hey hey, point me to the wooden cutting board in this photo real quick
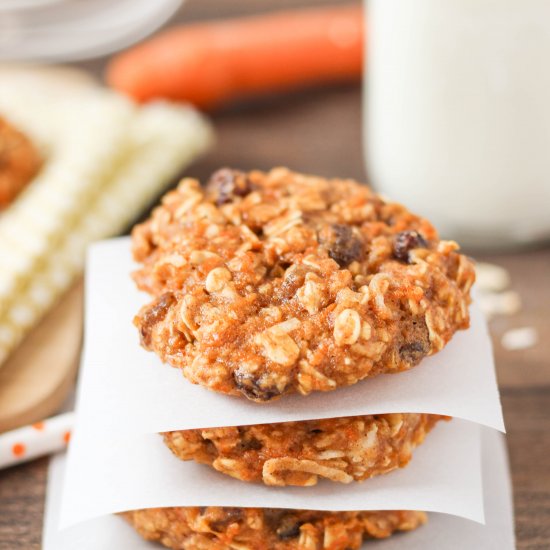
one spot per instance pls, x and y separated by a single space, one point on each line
38 376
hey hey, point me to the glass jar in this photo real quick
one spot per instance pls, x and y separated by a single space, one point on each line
458 114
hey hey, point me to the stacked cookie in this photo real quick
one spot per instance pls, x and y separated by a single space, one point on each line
266 284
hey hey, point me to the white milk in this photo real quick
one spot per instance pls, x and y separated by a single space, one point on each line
458 114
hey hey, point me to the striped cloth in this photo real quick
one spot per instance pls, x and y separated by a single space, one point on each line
106 160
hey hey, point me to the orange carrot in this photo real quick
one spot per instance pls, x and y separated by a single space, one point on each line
211 63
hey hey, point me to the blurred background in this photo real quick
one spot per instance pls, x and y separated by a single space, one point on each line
440 105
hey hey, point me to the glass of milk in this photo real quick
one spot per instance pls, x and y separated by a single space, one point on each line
457 115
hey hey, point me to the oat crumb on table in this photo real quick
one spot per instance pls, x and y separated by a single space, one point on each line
265 284
519 338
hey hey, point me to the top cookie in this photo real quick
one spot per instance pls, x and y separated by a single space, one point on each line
272 283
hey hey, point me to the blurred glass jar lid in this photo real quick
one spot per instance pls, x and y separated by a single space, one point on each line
69 30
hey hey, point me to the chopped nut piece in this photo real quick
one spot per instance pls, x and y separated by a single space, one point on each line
277 471
310 296
347 327
216 279
366 331
278 346
198 257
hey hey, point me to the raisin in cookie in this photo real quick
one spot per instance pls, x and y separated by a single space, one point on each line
265 284
267 529
299 453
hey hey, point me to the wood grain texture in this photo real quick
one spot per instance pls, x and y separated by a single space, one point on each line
320 132
22 491
527 416
37 377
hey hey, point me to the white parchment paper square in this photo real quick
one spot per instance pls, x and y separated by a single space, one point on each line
113 473
127 389
443 532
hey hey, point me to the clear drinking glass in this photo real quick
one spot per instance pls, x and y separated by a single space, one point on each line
457 114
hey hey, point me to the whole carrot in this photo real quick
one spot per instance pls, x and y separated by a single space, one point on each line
211 63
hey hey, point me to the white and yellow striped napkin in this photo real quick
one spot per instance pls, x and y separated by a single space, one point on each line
105 160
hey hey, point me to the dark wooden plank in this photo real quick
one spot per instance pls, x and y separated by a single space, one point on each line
527 415
22 492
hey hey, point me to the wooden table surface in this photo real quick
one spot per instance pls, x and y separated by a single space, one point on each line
320 132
